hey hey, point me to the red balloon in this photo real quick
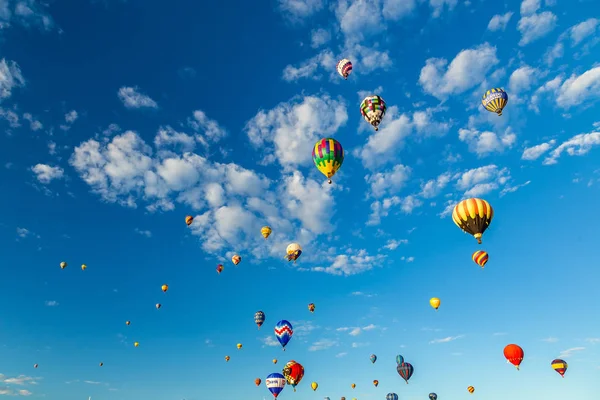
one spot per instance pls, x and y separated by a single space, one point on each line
514 354
293 372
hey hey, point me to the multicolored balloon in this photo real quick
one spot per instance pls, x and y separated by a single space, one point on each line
399 359
514 354
373 358
405 370
344 68
275 383
391 396
375 382
293 251
494 100
284 332
328 156
219 268
188 220
293 373
473 216
227 358
259 318
432 396
560 366
471 389
311 307
480 258
373 110
236 259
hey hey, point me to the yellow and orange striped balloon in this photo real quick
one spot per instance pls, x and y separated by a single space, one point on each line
473 216
471 389
480 258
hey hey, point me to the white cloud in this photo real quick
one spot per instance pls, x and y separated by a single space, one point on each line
393 244
485 143
465 71
499 21
583 30
10 78
535 152
298 10
269 341
309 68
356 345
579 89
578 145
388 182
26 13
20 380
522 79
433 187
10 116
22 232
209 128
288 132
322 344
479 181
529 7
382 208
536 26
569 352
446 339
593 340
362 294
550 340
51 303
340 355
34 124
143 232
352 264
71 116
133 98
46 173
319 37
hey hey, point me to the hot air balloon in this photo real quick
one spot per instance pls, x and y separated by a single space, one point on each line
514 354
257 381
284 332
473 216
293 252
391 396
136 344
83 267
158 305
344 68
353 386
101 364
227 358
494 100
63 265
405 370
376 382
239 346
127 323
274 361
435 302
219 268
432 396
399 359
373 358
165 288
35 365
373 110
328 156
480 258
265 231
293 373
314 386
558 365
236 259
471 389
311 307
326 398
188 220
259 318
275 383
343 398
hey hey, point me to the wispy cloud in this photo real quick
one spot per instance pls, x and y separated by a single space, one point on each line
356 344
593 340
446 339
92 382
269 341
356 330
500 334
550 340
20 380
143 232
303 328
362 294
51 303
209 343
342 354
322 345
570 352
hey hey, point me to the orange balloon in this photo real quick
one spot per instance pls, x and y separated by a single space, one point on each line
257 381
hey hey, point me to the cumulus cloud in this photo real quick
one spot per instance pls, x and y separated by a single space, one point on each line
46 173
499 21
319 37
352 264
536 26
579 89
298 10
388 182
466 70
485 143
133 98
10 78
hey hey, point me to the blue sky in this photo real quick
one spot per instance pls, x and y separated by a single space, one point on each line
120 118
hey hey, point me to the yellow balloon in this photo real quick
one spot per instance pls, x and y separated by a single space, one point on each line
136 344
165 288
83 267
239 346
265 231
435 302
314 385
353 386
63 265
